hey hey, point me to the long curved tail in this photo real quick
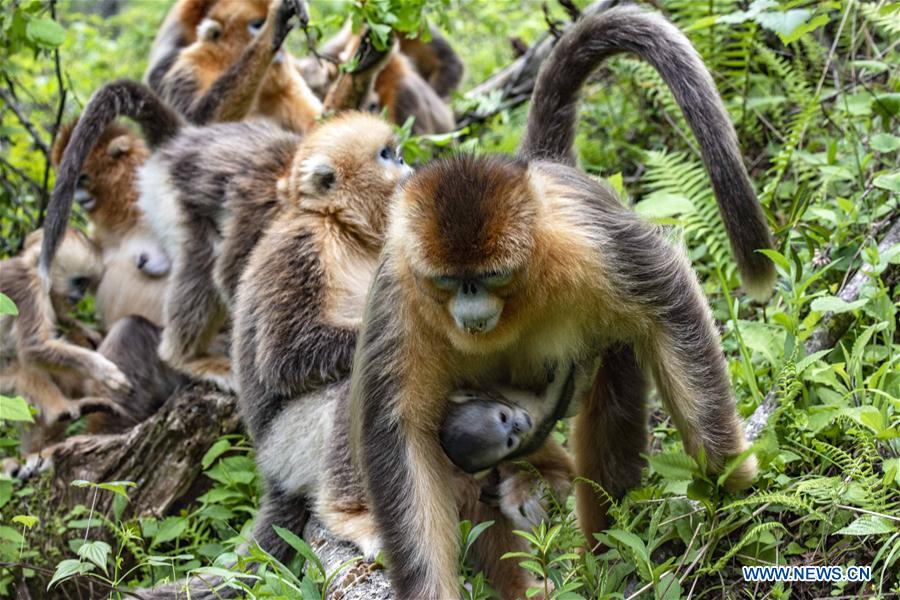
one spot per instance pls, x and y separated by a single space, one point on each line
130 99
551 121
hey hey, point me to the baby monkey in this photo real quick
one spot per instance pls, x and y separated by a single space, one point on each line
486 427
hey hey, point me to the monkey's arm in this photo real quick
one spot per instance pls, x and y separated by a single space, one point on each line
394 436
231 96
351 89
36 345
280 318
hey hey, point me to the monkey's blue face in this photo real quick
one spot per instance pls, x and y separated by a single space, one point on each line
474 303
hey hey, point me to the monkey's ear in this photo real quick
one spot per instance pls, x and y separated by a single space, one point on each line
119 146
209 30
318 176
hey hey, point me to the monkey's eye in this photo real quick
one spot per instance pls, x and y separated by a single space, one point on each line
497 279
386 153
254 26
79 283
84 180
447 284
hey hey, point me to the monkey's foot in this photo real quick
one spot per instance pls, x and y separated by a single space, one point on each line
744 475
109 376
284 13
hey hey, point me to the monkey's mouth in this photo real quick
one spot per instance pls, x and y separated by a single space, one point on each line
477 326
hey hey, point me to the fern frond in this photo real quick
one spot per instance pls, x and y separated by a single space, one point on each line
888 23
749 536
782 160
792 501
676 174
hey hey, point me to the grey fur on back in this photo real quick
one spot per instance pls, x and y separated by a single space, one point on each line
551 121
118 99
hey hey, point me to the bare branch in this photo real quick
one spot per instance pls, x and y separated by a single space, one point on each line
26 123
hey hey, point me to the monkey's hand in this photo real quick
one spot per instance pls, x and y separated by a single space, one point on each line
107 374
285 10
85 406
526 495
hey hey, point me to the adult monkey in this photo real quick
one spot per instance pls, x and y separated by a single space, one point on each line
494 267
221 60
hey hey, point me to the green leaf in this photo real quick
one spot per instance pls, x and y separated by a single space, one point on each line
6 490
617 183
117 487
69 568
889 182
630 540
170 529
884 142
96 552
214 452
45 32
661 204
836 305
27 520
299 545
867 525
784 23
676 466
15 409
7 306
778 258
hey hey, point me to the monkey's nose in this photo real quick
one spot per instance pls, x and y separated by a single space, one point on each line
522 423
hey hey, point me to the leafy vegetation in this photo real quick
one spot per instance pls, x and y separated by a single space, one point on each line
813 89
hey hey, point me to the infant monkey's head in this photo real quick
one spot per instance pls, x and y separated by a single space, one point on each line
482 429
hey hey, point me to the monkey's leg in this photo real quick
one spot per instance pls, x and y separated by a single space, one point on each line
696 391
610 435
506 577
194 314
286 510
37 387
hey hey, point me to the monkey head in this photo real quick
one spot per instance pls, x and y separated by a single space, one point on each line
76 269
482 429
106 187
466 229
349 166
229 25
